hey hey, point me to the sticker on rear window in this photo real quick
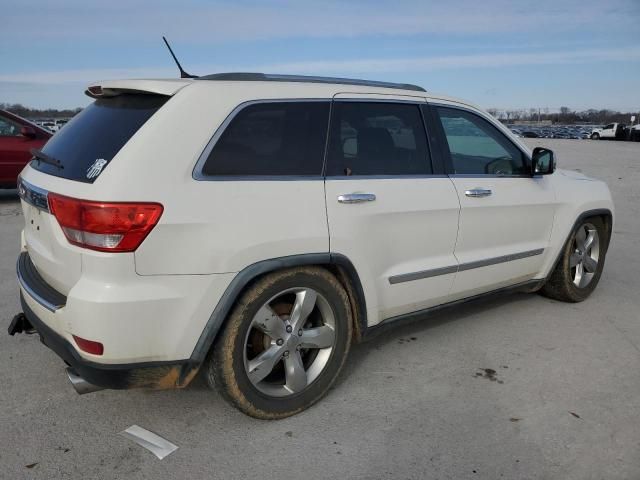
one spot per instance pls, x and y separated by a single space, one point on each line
95 169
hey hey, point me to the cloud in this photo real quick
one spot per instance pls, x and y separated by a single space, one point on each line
347 67
121 21
490 60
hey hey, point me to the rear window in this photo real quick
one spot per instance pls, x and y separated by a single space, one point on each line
86 144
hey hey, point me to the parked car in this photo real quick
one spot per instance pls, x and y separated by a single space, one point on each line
530 134
611 131
61 123
17 137
304 215
50 126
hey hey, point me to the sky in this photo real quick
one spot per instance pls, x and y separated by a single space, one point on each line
496 53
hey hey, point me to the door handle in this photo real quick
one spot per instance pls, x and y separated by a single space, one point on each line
478 192
356 197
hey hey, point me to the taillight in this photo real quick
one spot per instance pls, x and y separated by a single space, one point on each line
102 226
89 346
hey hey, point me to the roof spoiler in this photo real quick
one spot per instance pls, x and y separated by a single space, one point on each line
112 88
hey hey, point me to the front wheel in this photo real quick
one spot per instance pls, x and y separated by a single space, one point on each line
580 265
284 344
595 136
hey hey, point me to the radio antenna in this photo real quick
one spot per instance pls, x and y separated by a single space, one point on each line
183 74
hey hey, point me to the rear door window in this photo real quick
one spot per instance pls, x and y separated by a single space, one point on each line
272 139
87 144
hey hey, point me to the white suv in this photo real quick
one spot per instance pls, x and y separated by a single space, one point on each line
254 226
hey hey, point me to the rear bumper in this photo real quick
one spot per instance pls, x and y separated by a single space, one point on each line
31 281
156 375
154 319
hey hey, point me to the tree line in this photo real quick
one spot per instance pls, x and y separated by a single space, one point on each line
27 112
564 115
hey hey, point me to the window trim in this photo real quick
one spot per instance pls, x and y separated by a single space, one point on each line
438 166
448 161
435 172
197 173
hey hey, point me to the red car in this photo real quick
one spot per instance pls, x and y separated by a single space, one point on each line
17 137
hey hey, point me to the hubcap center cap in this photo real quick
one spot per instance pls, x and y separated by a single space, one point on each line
292 341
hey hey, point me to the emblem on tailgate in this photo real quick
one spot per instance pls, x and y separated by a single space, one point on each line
95 169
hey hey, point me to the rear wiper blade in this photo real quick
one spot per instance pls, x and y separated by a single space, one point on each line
43 157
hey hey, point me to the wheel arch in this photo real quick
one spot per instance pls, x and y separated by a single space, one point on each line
337 264
605 214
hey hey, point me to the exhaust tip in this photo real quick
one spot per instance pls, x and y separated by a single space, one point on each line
80 385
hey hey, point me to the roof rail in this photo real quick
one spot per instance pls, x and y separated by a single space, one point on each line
269 77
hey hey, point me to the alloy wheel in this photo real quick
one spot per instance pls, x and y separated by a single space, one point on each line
289 342
586 254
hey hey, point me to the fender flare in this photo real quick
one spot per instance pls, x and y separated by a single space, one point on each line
255 270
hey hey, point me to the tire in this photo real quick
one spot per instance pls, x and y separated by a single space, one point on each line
595 136
574 277
256 359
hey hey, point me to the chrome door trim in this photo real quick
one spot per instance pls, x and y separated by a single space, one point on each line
408 277
435 272
501 259
356 197
384 177
490 175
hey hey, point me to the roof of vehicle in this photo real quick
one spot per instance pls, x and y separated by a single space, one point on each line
268 77
171 86
326 86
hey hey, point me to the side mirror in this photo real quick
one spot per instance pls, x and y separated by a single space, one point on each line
543 161
28 132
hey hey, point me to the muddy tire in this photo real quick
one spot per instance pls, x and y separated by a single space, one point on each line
580 265
284 343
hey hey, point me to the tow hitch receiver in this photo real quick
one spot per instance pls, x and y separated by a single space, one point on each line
20 324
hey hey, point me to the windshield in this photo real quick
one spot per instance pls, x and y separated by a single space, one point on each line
86 145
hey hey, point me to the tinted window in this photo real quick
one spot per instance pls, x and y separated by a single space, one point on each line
370 138
93 137
283 138
477 147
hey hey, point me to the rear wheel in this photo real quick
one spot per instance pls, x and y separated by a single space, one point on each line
284 344
580 266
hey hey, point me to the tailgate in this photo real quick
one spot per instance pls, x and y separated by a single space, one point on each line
57 261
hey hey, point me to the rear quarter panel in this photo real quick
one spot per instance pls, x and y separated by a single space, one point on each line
210 226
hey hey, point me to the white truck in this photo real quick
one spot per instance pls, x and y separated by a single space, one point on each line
611 131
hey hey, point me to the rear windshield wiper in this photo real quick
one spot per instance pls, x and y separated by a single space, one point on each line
40 156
